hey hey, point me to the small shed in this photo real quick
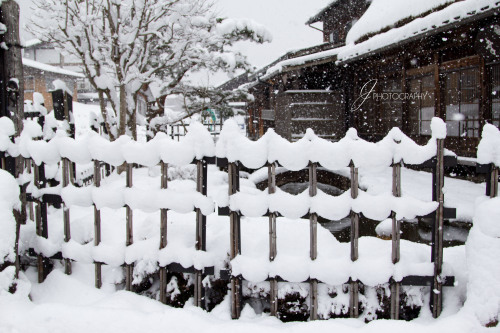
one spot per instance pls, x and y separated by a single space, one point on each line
39 77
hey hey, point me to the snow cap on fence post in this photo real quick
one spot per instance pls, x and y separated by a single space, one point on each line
201 140
438 128
6 131
488 150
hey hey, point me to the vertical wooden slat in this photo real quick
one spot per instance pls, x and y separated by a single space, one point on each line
396 228
313 232
437 248
235 238
201 222
29 165
43 263
354 285
493 182
130 233
67 229
163 233
273 283
97 225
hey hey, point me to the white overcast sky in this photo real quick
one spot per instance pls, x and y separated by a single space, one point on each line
283 18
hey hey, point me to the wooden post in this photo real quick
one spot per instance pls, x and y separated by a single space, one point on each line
29 168
97 224
396 228
163 234
130 232
201 226
437 246
9 16
354 285
493 182
67 230
313 232
43 263
273 283
235 239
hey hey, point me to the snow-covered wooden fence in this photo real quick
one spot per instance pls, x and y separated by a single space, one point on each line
233 151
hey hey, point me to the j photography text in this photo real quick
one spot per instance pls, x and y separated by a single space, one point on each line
368 91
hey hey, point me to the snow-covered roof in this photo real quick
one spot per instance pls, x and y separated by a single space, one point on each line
458 12
318 16
392 12
32 42
50 68
434 22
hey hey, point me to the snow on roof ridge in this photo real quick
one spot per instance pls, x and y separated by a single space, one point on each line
315 18
50 68
451 14
383 15
32 42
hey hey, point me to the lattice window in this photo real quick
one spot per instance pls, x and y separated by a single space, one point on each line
462 102
421 104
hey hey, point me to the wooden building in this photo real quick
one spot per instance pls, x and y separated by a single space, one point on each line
39 77
443 62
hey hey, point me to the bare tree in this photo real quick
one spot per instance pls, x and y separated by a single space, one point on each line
126 45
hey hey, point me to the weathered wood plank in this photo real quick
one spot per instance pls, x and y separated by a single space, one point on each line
97 225
235 241
163 234
437 246
66 216
396 235
273 292
129 240
354 285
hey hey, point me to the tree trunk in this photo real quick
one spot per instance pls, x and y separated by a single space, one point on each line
123 110
104 113
132 119
13 70
13 58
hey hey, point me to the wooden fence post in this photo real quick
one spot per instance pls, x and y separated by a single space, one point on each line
354 285
163 234
235 239
437 244
201 228
273 283
396 229
493 188
97 224
129 268
313 232
67 230
43 263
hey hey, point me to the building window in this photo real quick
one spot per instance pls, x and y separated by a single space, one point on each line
391 112
462 103
29 84
495 95
421 104
333 37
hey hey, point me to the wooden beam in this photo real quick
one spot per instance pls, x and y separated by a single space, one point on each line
97 225
354 285
67 230
129 268
163 234
273 283
437 246
313 231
